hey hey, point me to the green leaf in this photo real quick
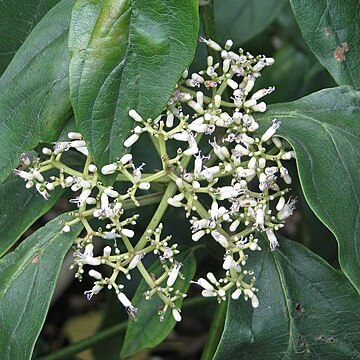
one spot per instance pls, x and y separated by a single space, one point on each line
324 130
148 331
241 20
331 28
34 90
20 208
126 54
28 276
307 310
17 19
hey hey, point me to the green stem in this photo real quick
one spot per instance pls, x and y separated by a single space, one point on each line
109 333
215 332
157 177
208 21
87 343
169 192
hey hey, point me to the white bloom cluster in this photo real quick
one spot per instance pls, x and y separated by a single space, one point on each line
230 181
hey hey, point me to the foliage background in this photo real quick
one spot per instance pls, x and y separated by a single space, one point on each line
259 26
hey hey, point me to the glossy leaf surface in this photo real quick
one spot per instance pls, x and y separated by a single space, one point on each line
19 208
324 129
34 90
331 29
307 310
241 20
28 276
148 331
17 19
126 54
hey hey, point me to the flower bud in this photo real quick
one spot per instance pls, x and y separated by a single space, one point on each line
109 169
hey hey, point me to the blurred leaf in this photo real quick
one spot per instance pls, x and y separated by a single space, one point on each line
126 54
28 276
324 130
306 73
331 29
34 90
19 209
148 331
241 20
307 310
17 19
289 63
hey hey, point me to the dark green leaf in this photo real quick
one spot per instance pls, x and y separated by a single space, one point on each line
20 208
17 19
28 276
307 310
126 54
34 90
241 20
324 129
148 331
331 29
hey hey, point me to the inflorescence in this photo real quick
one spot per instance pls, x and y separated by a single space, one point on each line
230 182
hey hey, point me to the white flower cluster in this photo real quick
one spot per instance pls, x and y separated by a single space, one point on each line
230 181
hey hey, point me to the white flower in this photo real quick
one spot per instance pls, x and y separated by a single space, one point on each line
254 301
46 151
212 44
193 148
110 235
24 174
109 191
128 233
199 234
228 262
109 169
280 204
104 201
107 251
261 93
66 229
221 239
95 274
272 238
87 257
260 218
183 136
61 146
144 186
41 190
133 114
174 272
74 135
176 200
204 284
94 291
250 82
227 192
136 259
236 294
285 175
287 209
169 120
261 107
271 130
124 299
92 168
131 140
208 293
126 159
176 314
233 84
